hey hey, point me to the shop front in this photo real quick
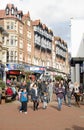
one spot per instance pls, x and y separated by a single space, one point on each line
14 72
18 71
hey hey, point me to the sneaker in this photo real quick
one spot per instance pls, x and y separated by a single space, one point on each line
20 111
25 112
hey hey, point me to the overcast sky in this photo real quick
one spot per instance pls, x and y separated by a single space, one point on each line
55 14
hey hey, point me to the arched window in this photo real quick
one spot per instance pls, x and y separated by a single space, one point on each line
7 11
12 11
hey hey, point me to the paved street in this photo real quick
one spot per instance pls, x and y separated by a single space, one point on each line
69 118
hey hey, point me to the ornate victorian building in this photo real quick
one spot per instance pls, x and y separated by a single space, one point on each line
31 45
42 44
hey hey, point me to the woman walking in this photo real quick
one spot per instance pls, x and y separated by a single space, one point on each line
77 93
35 96
60 95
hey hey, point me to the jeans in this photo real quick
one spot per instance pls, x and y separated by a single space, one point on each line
23 107
44 104
59 103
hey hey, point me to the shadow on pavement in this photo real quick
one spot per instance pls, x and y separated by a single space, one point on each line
75 128
55 107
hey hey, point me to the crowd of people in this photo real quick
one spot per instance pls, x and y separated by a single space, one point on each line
42 92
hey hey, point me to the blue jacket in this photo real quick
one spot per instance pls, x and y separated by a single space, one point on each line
23 98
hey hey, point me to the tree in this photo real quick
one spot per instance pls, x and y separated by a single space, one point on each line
59 78
2 84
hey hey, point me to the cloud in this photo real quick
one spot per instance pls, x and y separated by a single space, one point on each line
55 14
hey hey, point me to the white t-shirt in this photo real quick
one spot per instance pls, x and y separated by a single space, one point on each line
71 86
76 89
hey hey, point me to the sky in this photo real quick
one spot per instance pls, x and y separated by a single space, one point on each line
56 14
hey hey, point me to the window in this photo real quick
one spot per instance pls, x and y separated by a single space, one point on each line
11 25
29 47
13 41
15 58
3 39
29 34
7 11
36 61
11 52
7 41
21 56
11 58
21 43
57 65
12 11
29 58
8 26
7 56
15 53
21 30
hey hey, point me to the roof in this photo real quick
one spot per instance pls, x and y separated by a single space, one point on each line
26 16
2 13
36 22
57 38
10 5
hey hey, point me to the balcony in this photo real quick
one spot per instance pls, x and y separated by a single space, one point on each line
43 46
38 30
49 46
37 43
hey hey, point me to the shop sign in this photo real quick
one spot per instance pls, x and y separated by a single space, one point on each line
15 66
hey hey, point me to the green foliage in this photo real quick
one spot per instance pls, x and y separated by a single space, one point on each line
27 74
2 84
59 78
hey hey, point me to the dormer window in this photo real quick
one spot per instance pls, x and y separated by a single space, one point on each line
15 12
12 11
7 11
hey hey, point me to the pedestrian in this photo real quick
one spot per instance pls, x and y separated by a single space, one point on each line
24 100
13 87
70 92
45 100
77 94
65 86
50 90
35 96
60 95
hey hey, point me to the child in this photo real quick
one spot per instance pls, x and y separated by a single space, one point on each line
24 100
45 99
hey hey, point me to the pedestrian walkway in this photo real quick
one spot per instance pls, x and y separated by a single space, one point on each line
69 118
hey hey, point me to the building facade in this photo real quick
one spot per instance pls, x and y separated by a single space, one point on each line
42 44
61 59
31 45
